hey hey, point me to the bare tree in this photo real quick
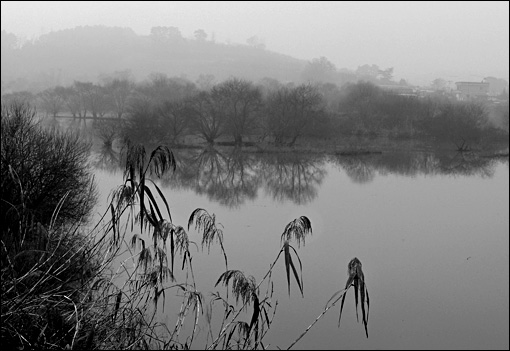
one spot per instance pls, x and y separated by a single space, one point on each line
278 113
291 111
174 118
52 100
205 111
241 101
93 97
119 91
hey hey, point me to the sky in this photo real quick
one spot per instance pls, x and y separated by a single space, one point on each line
456 40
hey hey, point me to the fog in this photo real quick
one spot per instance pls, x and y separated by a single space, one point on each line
420 40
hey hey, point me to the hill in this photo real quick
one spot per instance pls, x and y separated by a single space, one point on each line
85 53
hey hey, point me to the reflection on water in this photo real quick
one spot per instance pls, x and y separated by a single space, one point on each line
364 169
231 177
107 159
228 178
430 228
293 177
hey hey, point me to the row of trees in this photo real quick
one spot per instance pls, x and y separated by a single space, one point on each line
367 109
235 107
282 113
163 110
322 70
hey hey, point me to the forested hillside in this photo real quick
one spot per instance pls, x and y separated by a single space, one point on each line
84 53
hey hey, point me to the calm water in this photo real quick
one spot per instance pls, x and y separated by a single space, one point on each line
431 230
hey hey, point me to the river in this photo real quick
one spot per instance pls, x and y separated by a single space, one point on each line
430 229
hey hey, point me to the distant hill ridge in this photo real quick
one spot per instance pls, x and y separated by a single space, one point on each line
84 53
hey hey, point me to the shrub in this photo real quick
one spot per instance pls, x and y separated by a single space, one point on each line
46 194
42 169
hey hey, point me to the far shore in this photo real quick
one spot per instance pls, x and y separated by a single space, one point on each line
343 145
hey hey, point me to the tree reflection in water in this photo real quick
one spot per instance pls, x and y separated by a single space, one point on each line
363 169
228 177
107 159
231 177
469 164
359 169
294 177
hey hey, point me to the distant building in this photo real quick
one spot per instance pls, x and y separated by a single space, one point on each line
472 90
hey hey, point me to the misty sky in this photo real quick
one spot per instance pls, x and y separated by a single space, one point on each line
452 40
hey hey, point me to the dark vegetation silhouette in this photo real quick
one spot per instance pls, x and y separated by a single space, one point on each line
70 286
174 111
47 194
52 166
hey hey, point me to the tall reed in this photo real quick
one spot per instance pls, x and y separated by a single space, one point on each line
103 287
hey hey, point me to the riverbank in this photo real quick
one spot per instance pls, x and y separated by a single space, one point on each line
341 145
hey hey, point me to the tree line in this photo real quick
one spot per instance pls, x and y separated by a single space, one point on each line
164 110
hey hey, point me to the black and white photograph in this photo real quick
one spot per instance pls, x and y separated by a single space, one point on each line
239 175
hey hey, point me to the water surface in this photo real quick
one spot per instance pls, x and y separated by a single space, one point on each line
431 231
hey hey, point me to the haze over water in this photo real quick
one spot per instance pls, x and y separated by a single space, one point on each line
431 231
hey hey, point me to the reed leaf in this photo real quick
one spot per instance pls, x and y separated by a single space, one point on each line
146 190
134 239
157 294
242 328
125 195
158 274
290 264
357 280
161 160
145 258
163 198
134 160
207 224
162 231
181 239
255 315
297 230
117 304
141 195
114 224
243 287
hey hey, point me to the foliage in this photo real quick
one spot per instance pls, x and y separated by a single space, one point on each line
357 280
291 111
205 110
174 119
118 90
459 123
52 100
164 110
241 101
151 259
42 171
115 306
47 194
319 70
